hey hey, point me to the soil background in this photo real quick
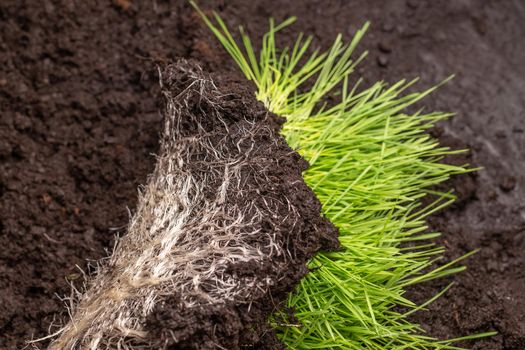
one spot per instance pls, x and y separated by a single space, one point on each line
79 124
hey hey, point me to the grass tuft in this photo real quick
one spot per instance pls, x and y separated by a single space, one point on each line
371 163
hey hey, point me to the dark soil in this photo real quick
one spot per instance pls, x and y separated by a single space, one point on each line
225 149
79 121
271 186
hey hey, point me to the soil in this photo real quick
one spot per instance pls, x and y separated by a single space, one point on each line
271 187
79 122
233 187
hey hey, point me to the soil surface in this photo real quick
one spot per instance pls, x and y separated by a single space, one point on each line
79 122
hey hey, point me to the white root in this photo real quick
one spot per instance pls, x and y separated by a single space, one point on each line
181 239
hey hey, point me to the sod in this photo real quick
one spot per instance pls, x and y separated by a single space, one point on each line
371 164
223 231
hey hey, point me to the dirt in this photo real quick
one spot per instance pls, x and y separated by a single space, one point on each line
272 187
242 225
79 121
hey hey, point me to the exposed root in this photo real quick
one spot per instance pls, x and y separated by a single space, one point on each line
215 224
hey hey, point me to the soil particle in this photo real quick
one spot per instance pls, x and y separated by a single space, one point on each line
384 46
382 61
508 183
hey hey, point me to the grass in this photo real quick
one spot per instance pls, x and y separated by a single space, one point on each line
371 164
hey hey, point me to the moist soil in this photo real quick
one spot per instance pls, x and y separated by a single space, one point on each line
80 122
243 225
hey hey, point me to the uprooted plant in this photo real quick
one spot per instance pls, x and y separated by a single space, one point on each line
371 163
223 230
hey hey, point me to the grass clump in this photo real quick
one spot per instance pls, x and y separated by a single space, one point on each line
371 163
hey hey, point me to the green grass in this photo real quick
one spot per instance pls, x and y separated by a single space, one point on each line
371 163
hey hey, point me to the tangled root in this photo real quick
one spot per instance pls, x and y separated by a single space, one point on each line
223 230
